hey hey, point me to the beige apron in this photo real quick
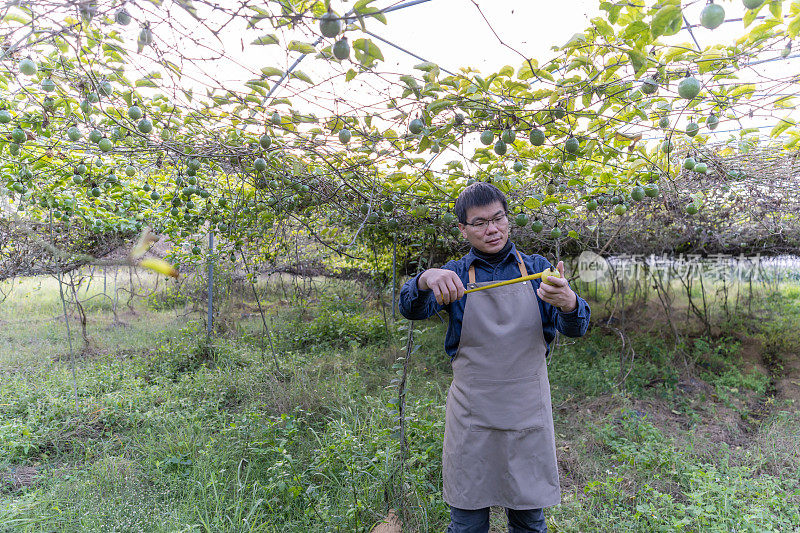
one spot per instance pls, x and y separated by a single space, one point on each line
499 443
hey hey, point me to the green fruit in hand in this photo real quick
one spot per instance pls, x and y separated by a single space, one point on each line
712 16
73 133
275 118
518 166
571 145
712 121
591 205
666 146
692 128
689 87
637 194
105 145
537 137
691 208
344 136
95 136
28 67
663 123
416 126
265 141
48 85
18 135
620 209
260 164
145 125
341 49
330 25
689 163
508 135
5 116
487 137
500 148
649 86
555 233
701 168
122 17
537 226
752 4
135 112
521 220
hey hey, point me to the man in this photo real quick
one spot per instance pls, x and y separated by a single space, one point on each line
499 443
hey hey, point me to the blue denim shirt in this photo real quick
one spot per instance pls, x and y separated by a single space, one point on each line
416 304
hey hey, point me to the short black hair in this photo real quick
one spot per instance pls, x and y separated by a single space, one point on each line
477 195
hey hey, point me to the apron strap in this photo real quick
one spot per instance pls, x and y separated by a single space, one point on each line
522 269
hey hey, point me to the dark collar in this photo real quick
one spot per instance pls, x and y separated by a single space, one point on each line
471 257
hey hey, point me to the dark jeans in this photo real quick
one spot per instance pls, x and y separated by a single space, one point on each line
477 521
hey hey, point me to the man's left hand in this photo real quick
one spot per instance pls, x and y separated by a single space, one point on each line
558 293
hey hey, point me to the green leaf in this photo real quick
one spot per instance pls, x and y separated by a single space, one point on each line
506 71
781 126
427 66
300 75
367 52
794 26
410 81
271 71
270 38
603 27
300 46
350 75
776 8
667 21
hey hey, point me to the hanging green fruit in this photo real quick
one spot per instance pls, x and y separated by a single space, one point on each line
341 49
712 16
689 87
330 25
537 137
416 126
487 137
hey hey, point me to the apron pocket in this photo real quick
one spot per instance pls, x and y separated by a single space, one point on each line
506 405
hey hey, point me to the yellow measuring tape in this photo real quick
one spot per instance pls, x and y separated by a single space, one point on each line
544 275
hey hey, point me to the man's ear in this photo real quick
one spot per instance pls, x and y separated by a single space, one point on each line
463 229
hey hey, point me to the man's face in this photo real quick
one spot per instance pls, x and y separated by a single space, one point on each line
490 238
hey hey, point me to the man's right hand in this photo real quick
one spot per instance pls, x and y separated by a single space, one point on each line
445 284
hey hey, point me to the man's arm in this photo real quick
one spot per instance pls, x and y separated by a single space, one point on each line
430 291
569 312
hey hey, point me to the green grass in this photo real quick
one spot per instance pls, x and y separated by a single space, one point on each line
176 432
